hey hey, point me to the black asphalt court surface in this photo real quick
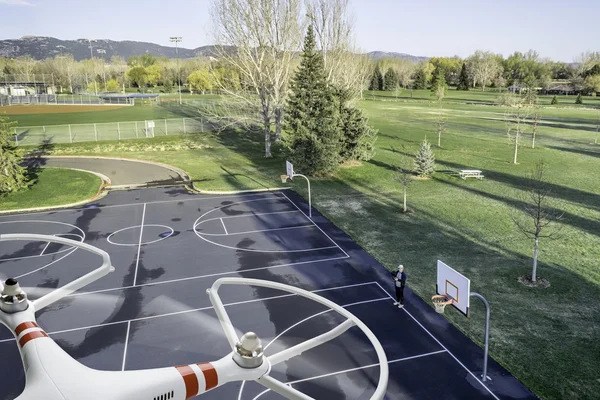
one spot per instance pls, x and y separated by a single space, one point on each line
120 172
169 246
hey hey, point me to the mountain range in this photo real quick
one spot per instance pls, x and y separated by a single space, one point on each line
40 47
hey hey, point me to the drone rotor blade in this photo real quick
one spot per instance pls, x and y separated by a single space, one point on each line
285 390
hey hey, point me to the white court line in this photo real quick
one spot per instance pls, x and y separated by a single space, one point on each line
322 231
137 261
201 309
126 343
353 369
224 226
208 276
440 343
135 204
259 231
47 265
249 215
44 249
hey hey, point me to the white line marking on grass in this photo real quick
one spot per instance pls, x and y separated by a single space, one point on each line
224 226
313 222
208 276
440 343
126 343
137 261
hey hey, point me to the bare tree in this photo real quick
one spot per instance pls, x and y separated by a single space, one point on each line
258 39
516 118
404 175
485 68
535 121
440 124
538 211
597 128
334 33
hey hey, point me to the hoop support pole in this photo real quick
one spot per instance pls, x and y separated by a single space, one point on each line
484 377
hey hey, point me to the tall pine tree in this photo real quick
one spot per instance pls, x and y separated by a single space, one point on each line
312 118
463 79
358 138
12 175
424 163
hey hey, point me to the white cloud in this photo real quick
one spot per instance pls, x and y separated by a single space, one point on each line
16 3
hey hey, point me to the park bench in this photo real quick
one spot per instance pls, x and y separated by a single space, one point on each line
470 173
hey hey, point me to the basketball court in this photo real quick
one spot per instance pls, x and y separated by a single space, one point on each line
168 246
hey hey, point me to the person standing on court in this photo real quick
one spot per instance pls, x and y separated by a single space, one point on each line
400 281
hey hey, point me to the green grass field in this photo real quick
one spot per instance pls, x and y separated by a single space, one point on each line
53 187
548 338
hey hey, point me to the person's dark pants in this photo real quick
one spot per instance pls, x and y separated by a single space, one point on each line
400 294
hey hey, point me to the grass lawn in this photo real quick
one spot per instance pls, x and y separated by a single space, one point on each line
54 186
548 338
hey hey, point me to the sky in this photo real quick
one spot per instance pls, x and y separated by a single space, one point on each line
557 29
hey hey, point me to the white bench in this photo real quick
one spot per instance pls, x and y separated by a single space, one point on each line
470 173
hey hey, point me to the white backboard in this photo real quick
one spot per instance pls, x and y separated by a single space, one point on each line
455 285
289 168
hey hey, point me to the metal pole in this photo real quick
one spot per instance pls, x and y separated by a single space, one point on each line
96 132
177 39
70 136
119 130
136 130
484 377
166 129
184 126
309 201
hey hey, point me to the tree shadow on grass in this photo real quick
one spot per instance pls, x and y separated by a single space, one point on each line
590 153
36 159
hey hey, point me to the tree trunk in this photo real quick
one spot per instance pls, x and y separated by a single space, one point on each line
440 138
268 141
516 147
535 258
533 140
404 197
278 123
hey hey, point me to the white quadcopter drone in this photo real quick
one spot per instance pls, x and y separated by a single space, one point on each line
52 374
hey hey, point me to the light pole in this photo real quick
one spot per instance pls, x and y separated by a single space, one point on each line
177 39
102 51
93 65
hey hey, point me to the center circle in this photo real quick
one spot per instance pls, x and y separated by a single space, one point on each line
130 236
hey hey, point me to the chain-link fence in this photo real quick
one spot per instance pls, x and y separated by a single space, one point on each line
6 100
36 135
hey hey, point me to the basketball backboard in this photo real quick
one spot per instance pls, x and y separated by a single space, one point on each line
289 170
454 285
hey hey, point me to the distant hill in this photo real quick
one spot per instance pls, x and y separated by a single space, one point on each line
40 48
376 55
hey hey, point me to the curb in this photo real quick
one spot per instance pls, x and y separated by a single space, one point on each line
194 189
100 194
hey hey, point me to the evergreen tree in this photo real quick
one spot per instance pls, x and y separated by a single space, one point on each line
579 99
420 79
358 138
12 175
554 100
374 84
438 80
390 80
424 163
463 79
312 118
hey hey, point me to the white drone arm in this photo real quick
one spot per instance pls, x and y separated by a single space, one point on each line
78 283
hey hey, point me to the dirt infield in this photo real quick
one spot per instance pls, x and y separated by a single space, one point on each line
55 109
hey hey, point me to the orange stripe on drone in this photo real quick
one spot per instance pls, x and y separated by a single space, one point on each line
190 379
30 336
210 375
25 325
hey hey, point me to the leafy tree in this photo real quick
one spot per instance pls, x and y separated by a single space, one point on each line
463 79
538 210
438 86
579 99
554 100
312 117
200 80
112 85
358 138
153 74
137 76
390 80
12 176
592 83
424 163
147 60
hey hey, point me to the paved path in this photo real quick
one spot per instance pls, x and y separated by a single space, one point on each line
122 173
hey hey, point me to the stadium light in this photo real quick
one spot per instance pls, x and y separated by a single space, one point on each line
177 39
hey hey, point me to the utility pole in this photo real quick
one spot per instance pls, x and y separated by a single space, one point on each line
93 65
102 51
177 39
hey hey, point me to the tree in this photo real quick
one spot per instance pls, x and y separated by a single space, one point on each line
404 175
463 79
258 39
592 83
12 175
485 67
438 87
424 162
420 79
154 73
137 76
579 99
312 116
358 138
516 117
554 100
201 80
537 210
390 80
440 125
535 121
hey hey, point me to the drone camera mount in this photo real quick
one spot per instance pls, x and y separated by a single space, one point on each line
13 299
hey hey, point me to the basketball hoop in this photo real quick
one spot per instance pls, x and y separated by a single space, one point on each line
284 178
440 302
